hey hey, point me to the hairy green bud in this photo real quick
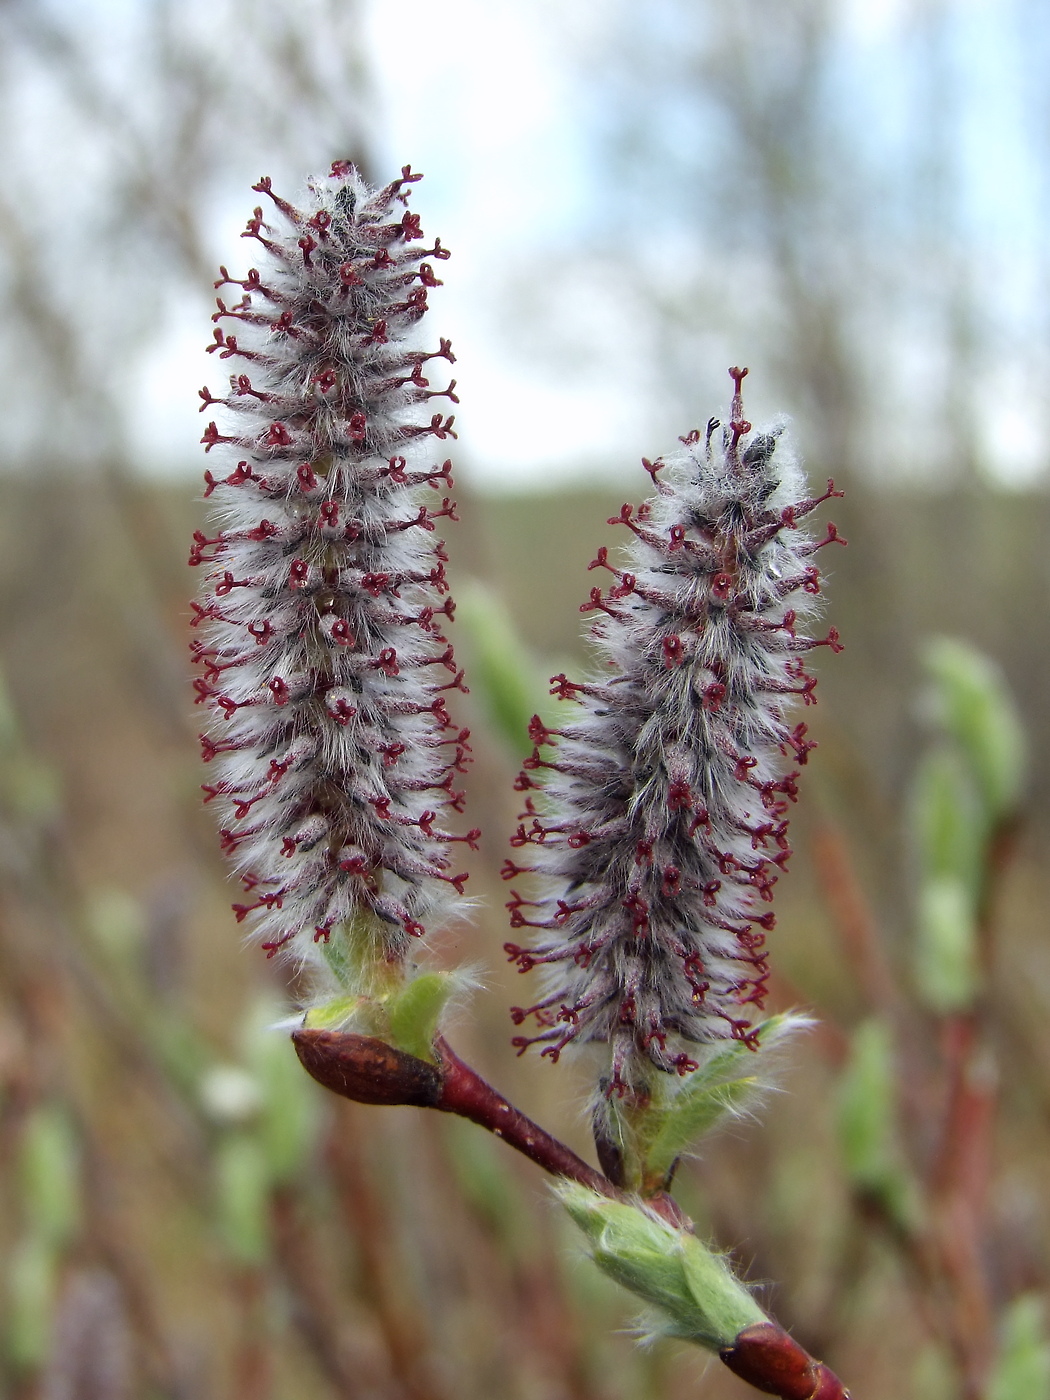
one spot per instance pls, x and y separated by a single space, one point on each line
693 1288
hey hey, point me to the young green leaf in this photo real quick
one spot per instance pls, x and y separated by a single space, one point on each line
683 1110
976 708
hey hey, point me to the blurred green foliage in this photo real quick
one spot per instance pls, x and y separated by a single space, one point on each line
973 706
49 1190
868 1118
49 1175
965 795
32 1273
1022 1369
504 675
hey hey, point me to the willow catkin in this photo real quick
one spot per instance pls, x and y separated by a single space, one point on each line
322 651
659 822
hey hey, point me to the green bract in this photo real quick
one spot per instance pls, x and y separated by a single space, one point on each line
681 1110
946 966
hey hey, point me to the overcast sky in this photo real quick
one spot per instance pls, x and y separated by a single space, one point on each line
492 99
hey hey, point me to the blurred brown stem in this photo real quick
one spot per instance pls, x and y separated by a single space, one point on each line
252 1371
944 1254
368 1223
1002 847
854 919
315 1310
958 1188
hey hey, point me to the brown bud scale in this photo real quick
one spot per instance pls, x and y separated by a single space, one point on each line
772 1361
367 1070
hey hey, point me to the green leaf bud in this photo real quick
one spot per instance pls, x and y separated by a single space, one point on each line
416 1010
354 954
949 821
338 1014
691 1287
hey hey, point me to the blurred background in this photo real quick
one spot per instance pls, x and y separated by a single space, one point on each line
850 197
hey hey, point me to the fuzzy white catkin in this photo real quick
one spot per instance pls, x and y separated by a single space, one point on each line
658 828
322 650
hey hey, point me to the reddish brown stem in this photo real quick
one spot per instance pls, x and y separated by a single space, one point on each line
252 1368
464 1092
959 1185
1002 847
367 1070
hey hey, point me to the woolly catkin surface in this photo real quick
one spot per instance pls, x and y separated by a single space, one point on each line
323 657
659 829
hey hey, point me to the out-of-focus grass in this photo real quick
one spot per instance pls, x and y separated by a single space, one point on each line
407 1256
